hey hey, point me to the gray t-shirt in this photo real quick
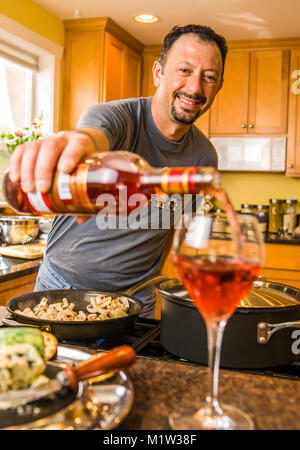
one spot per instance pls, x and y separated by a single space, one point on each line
114 259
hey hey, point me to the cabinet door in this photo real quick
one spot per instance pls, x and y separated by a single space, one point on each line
228 114
16 286
282 264
81 75
293 147
203 123
132 74
268 94
114 69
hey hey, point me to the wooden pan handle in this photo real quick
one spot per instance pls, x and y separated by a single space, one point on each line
118 358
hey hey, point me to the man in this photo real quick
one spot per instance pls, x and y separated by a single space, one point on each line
187 77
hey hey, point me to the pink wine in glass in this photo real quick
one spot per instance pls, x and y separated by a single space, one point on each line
216 288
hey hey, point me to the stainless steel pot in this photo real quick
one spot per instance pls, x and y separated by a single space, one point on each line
18 229
262 332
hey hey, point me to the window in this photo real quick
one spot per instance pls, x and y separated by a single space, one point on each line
30 70
16 93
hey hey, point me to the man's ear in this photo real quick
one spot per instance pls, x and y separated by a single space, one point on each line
157 73
221 84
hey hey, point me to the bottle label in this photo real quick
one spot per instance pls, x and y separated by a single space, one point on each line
64 186
178 180
39 202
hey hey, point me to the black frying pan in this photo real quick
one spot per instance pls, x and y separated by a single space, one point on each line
81 330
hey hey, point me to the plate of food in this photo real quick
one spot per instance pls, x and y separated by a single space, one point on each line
38 393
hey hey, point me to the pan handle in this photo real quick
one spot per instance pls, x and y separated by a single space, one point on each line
153 279
265 330
13 323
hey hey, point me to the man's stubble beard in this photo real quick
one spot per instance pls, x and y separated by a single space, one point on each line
185 118
182 118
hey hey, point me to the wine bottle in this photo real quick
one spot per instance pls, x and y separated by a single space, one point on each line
119 174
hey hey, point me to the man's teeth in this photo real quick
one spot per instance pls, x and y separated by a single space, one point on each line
188 101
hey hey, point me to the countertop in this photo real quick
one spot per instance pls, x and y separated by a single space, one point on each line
271 238
161 387
11 268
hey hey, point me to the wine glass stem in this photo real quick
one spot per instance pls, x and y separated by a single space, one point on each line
215 330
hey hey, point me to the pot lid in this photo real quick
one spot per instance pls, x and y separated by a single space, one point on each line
263 294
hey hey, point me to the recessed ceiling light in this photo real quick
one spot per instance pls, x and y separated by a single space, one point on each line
146 18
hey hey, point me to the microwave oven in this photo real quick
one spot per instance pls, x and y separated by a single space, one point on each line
250 154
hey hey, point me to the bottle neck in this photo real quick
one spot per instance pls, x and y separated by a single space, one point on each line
182 180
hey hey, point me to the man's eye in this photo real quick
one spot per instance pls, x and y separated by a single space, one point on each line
210 78
184 71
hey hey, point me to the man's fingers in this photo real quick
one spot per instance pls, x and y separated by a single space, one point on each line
34 163
27 166
46 161
15 163
78 146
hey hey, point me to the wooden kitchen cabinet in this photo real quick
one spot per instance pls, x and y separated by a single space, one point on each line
83 64
122 70
282 264
17 286
293 144
102 63
229 112
254 97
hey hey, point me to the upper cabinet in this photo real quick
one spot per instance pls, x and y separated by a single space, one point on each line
102 63
260 95
293 145
122 70
254 97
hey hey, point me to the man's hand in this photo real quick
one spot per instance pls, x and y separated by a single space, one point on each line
33 164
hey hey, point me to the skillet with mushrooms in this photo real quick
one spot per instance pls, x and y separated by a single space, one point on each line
101 307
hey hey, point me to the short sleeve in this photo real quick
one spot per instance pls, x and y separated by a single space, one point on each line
114 119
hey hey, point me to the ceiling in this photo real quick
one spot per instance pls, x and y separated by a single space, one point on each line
235 19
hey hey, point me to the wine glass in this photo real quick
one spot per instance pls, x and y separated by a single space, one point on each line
217 259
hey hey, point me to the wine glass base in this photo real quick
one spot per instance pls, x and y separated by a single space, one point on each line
192 418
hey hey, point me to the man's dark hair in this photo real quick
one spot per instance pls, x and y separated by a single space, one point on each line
204 33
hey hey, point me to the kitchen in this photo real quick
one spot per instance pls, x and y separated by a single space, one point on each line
282 259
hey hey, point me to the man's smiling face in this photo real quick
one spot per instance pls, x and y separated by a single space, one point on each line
189 80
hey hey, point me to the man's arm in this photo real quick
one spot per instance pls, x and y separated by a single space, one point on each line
34 163
98 137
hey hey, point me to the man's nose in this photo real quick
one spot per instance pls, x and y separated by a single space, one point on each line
194 85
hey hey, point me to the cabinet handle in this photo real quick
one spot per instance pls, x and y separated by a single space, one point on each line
290 166
251 125
243 125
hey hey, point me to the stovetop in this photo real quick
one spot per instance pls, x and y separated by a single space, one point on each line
145 339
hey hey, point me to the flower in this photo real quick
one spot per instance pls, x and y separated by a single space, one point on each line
9 141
